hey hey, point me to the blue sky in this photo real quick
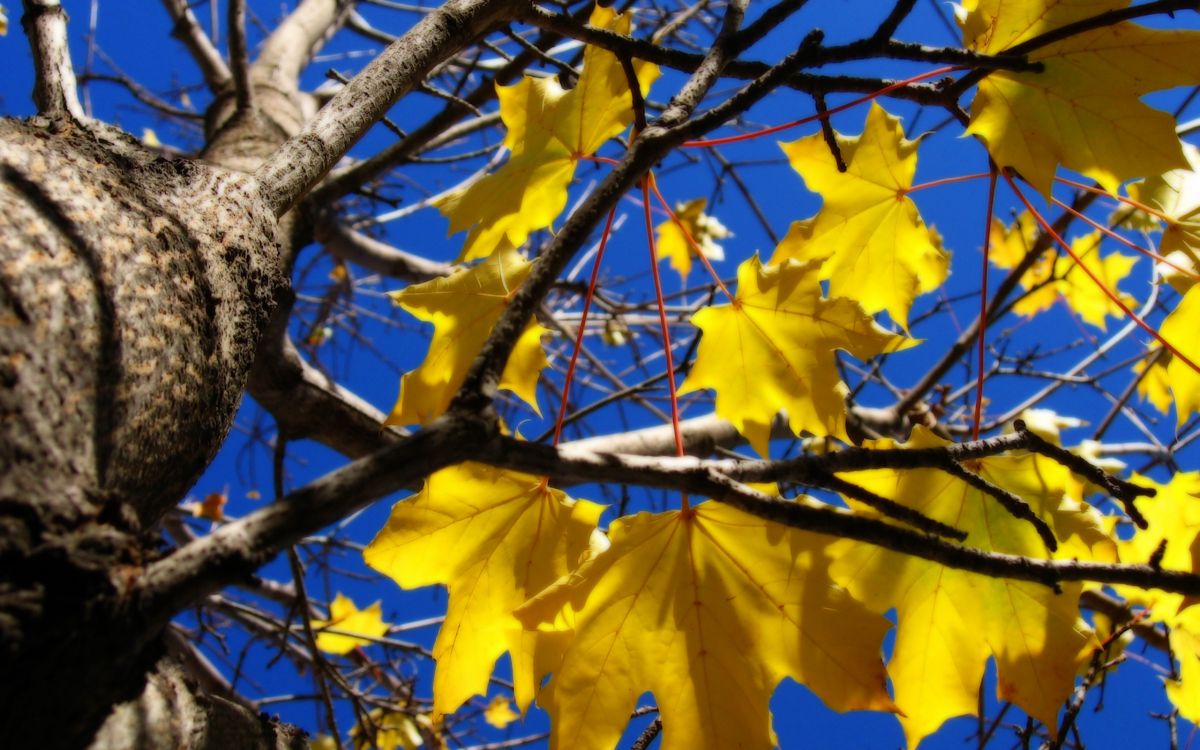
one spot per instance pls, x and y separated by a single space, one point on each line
134 38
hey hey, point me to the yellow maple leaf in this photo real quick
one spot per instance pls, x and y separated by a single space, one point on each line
494 538
463 307
708 609
549 129
950 621
1179 329
875 247
1084 109
499 712
3 21
705 230
1079 487
1155 385
1172 530
1184 693
347 618
773 348
1172 516
1064 279
390 730
1176 194
1008 245
1048 424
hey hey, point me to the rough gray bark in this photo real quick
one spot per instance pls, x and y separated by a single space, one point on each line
133 291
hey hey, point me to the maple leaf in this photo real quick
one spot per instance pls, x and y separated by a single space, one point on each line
1009 244
1048 424
773 348
1176 194
347 618
1083 110
708 609
211 507
705 230
875 247
499 712
1155 385
1172 517
950 621
1171 533
1066 281
1184 693
549 129
494 538
463 307
393 731
1180 328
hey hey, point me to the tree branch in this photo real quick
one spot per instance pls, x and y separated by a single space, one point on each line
307 404
380 257
288 174
54 91
237 549
204 53
704 479
239 55
294 41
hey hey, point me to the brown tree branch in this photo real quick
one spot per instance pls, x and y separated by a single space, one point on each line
308 404
703 479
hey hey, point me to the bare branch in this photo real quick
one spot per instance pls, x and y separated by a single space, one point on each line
239 56
235 550
307 404
370 253
294 41
704 479
54 90
304 159
204 53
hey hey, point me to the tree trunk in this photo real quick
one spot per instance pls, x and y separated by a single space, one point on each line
133 292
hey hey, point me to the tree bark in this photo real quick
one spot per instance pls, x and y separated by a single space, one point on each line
173 714
133 293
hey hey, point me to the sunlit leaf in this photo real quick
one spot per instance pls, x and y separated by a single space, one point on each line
1176 194
1084 109
494 538
773 349
549 129
499 712
463 307
1180 329
349 619
704 230
950 621
875 247
709 610
1065 280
